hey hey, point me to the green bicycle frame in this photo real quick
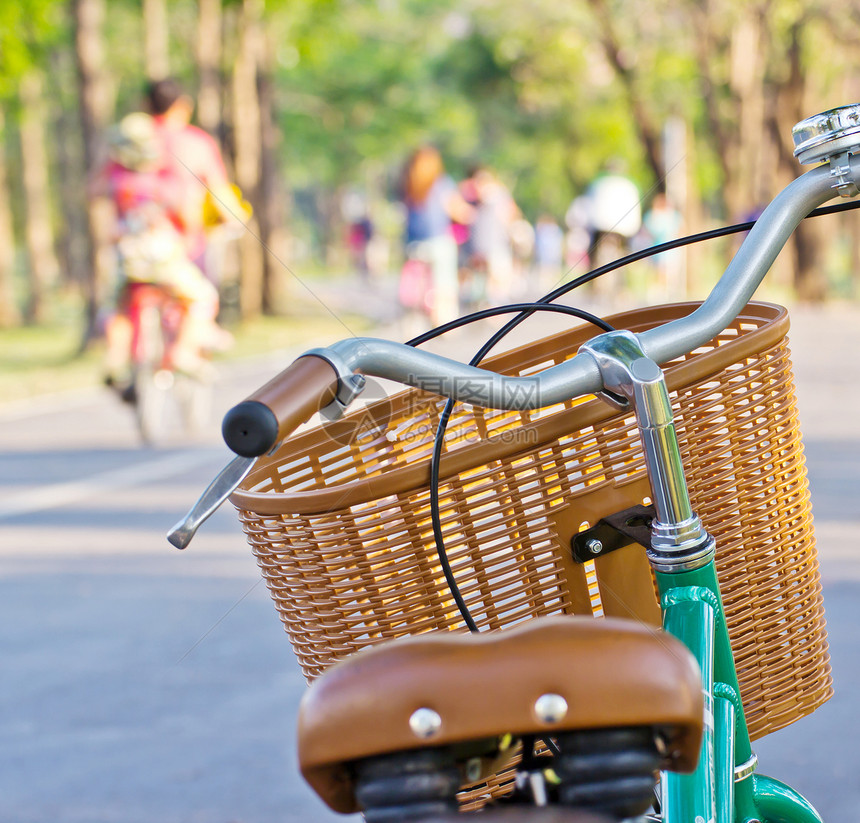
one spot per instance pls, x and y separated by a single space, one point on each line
724 787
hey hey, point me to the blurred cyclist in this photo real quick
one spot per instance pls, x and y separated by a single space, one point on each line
151 248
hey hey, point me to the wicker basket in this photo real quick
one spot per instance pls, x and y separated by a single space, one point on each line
339 518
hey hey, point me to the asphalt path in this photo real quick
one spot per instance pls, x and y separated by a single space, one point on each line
138 683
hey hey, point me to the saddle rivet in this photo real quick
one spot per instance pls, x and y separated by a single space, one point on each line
550 708
425 722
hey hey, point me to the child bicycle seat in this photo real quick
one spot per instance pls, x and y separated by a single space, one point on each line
470 695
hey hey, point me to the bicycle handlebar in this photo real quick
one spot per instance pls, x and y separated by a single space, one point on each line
292 397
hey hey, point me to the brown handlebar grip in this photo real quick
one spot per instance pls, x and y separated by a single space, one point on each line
272 412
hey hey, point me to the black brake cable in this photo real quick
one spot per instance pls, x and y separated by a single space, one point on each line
524 311
442 426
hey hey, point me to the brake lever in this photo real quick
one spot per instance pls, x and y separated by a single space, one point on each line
218 491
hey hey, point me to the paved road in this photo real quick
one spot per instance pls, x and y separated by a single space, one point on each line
142 684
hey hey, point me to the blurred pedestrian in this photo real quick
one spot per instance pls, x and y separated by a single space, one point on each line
432 202
549 252
661 223
577 244
358 239
473 285
614 218
495 214
614 214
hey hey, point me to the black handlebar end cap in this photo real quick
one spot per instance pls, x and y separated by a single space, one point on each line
250 428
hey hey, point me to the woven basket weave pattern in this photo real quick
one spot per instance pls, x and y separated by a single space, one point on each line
748 484
340 519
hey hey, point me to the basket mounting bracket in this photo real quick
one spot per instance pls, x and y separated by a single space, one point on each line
616 531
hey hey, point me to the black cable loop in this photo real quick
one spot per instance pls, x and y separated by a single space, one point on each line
436 457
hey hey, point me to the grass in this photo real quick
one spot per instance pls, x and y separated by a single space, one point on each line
40 360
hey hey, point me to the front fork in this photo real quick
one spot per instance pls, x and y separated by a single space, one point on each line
724 787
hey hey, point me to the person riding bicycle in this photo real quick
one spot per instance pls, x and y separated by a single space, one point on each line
151 248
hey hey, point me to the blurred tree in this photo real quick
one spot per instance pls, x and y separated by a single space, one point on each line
755 61
156 39
338 92
9 313
810 275
641 112
209 51
273 199
65 140
43 268
27 30
94 112
247 135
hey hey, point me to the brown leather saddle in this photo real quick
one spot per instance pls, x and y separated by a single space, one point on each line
543 677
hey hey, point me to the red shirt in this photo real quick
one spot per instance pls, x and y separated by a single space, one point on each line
193 159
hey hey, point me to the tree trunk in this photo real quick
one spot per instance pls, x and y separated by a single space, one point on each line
747 81
156 38
209 53
273 197
9 314
810 276
649 134
43 268
93 104
717 132
247 133
65 138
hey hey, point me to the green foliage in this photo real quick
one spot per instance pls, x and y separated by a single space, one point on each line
364 83
29 29
524 86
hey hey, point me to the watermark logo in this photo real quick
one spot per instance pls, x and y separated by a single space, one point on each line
510 393
412 420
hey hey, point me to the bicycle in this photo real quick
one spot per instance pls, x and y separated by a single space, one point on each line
163 398
564 491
